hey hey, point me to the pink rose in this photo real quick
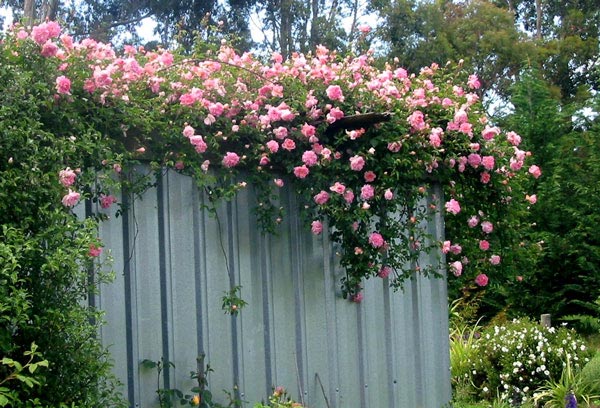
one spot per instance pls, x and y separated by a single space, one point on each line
490 132
481 279
301 171
338 188
531 198
188 131
334 92
349 196
484 245
67 177
513 138
357 163
446 247
70 199
370 176
384 272
455 249
107 200
49 49
485 177
308 130
487 227
280 132
473 82
474 160
273 146
94 251
310 158
453 206
288 144
388 195
456 267
367 192
417 120
488 162
322 197
231 159
63 85
473 221
376 240
200 145
278 182
358 297
316 227
535 171
495 259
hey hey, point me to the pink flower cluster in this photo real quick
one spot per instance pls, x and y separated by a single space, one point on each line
269 118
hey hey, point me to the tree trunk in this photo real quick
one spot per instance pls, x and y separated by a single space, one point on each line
285 28
538 19
49 10
314 28
29 12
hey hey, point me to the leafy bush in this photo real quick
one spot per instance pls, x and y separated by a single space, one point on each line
515 359
590 374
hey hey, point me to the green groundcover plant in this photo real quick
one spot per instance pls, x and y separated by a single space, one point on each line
364 147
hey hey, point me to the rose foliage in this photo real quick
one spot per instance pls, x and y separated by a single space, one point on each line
363 147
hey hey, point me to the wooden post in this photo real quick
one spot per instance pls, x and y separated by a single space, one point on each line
545 320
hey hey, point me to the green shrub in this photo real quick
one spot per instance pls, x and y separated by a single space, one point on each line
513 360
590 374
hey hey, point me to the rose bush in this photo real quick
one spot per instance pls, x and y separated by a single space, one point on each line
361 145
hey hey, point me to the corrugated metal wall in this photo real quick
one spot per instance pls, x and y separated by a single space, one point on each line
171 261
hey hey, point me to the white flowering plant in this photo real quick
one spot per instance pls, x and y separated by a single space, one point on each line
514 359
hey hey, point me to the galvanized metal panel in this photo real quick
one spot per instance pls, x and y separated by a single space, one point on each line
174 263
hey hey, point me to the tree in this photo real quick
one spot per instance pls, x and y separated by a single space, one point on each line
478 32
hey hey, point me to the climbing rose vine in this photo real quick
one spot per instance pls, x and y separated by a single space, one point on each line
373 153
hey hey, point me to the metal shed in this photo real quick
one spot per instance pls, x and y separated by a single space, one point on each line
173 263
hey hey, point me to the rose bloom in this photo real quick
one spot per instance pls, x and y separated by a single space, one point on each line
288 144
107 200
301 171
481 279
316 227
495 259
338 188
446 247
188 131
488 162
334 92
455 249
94 251
273 146
309 158
231 159
348 196
487 227
388 195
531 198
484 245
376 240
453 206
384 272
473 221
63 85
535 171
370 176
357 163
367 192
70 199
322 197
456 267
67 177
